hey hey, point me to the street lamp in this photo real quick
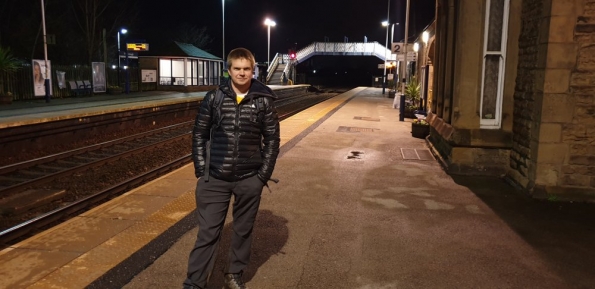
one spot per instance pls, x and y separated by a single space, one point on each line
223 14
425 37
268 22
385 23
46 81
122 31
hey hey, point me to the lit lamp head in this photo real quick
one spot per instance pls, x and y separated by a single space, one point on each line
384 23
425 37
269 22
416 47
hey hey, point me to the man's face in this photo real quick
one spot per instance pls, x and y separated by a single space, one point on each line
241 73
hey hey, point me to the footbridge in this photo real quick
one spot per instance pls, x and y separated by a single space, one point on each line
282 63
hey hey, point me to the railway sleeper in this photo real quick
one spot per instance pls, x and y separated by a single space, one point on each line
29 199
51 169
32 173
13 179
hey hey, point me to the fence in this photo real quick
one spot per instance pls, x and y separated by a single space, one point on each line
20 82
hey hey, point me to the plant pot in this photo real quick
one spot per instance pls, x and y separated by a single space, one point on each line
5 99
420 130
391 93
114 90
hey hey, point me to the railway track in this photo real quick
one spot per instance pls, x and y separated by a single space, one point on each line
18 179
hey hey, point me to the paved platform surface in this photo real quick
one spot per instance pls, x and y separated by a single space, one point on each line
38 111
351 212
360 204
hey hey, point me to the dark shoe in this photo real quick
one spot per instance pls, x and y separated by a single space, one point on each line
234 281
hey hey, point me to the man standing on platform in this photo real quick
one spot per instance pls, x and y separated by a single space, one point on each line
235 143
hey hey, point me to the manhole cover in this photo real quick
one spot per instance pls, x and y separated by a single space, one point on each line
417 154
354 129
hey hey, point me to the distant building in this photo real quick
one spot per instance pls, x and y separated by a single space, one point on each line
182 66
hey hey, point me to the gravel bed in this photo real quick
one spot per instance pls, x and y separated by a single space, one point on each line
49 150
97 179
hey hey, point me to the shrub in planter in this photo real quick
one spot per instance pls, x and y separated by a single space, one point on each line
114 89
420 128
5 98
8 64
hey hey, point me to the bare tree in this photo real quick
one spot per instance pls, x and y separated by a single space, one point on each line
192 34
92 16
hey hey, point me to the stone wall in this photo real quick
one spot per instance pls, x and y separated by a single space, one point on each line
554 117
578 125
528 94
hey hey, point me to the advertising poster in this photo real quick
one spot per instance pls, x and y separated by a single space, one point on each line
39 75
99 84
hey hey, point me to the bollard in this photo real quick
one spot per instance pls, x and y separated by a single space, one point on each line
402 108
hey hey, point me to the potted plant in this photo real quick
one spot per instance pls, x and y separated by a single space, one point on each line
412 97
420 128
114 89
8 64
413 90
390 85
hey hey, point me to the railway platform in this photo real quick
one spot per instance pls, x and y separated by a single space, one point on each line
360 204
38 111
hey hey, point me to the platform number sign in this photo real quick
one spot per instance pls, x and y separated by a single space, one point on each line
397 47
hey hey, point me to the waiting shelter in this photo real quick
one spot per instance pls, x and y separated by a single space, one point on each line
181 67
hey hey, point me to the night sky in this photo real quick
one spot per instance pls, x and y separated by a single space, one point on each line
299 23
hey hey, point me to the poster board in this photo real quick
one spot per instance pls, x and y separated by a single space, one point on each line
99 84
39 76
149 75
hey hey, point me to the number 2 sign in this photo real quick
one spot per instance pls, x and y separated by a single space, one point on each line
397 47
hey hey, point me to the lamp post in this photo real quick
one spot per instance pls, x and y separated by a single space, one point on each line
385 23
405 48
122 31
425 37
223 29
268 22
46 81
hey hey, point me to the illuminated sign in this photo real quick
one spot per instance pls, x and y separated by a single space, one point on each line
137 46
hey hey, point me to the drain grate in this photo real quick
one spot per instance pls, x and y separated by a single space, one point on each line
417 154
366 118
355 129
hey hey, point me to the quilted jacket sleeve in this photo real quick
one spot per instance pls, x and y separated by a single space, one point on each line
271 138
201 134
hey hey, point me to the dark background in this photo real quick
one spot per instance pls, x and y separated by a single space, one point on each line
299 24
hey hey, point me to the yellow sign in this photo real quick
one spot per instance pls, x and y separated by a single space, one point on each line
137 46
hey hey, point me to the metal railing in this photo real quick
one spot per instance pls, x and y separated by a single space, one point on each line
329 48
344 48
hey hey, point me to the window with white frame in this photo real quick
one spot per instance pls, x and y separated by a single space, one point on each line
494 59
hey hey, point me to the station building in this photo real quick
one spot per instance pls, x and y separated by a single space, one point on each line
513 93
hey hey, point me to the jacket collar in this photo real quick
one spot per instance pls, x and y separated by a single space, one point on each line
257 88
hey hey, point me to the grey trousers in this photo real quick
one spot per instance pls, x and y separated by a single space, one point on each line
212 203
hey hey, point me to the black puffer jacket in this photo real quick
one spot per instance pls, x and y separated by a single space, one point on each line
235 150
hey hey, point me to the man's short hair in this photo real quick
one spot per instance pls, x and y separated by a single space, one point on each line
240 53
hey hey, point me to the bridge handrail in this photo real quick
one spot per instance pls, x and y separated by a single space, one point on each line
271 69
345 48
329 48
